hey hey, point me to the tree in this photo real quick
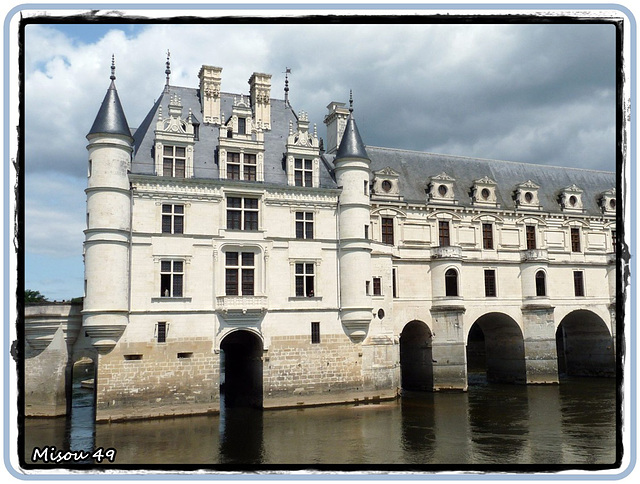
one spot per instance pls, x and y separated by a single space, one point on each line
31 296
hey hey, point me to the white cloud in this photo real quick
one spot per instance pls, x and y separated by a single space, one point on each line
533 93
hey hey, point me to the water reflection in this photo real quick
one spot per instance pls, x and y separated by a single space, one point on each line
418 427
499 423
572 423
241 440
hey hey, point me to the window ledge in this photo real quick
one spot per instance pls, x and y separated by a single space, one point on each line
305 298
170 299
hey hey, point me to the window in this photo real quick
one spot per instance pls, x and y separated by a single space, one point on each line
366 232
233 166
541 284
451 283
242 126
366 188
575 240
315 333
250 167
487 236
239 273
241 167
613 239
531 237
578 283
171 278
303 172
387 231
443 233
173 161
490 283
172 219
394 287
305 279
377 286
304 225
161 332
242 213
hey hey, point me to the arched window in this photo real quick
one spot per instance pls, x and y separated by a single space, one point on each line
451 282
541 285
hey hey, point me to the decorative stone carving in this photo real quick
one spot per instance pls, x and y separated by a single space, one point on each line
571 199
608 202
386 184
484 192
440 189
527 196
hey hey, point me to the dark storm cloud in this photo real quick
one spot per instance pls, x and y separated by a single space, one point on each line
468 89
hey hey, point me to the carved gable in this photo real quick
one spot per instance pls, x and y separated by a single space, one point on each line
527 196
571 199
483 192
386 184
440 189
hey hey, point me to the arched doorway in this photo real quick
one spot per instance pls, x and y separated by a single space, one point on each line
416 362
585 345
495 346
241 369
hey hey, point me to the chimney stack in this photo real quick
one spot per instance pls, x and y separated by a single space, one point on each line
210 83
260 94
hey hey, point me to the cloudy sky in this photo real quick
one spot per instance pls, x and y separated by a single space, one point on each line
532 92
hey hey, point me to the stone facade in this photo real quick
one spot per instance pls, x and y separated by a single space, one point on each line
228 252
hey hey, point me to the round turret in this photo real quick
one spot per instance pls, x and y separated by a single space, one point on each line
107 237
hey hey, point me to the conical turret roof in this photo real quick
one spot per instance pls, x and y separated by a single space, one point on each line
351 145
111 118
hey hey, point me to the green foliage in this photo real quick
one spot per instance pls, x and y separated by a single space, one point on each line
31 296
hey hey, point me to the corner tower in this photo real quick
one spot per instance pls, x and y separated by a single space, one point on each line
352 169
108 233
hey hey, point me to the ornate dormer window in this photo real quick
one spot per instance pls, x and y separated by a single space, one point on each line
241 148
483 192
571 199
174 141
303 154
386 184
608 202
527 196
440 189
240 125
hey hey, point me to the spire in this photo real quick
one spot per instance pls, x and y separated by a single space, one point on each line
167 71
351 145
113 68
111 118
286 86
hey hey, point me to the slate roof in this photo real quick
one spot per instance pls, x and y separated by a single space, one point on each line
205 161
415 168
110 118
351 145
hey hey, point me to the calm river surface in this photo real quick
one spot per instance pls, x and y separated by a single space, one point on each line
571 424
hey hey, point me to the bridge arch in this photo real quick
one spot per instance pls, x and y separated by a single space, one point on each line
241 369
416 358
495 346
585 345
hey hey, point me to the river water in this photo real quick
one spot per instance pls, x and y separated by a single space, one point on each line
558 426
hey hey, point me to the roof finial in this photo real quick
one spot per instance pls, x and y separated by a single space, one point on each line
168 70
113 68
350 101
286 85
